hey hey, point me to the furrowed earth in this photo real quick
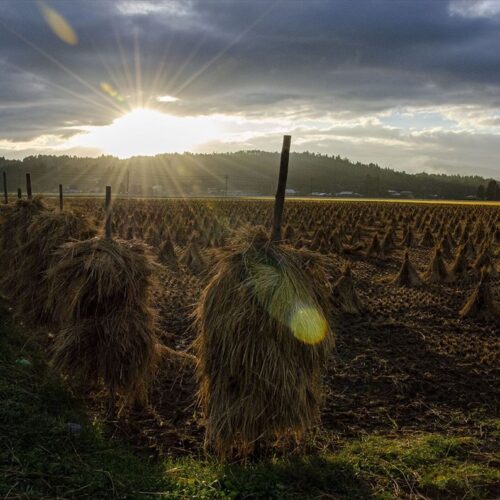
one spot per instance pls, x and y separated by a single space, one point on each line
411 390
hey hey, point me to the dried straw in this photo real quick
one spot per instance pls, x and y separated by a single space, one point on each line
263 338
100 292
46 233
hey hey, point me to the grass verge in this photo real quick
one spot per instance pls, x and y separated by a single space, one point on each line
43 454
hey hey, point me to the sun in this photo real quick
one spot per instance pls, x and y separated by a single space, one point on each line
147 132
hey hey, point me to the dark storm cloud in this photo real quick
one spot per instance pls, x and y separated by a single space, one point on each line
310 47
256 58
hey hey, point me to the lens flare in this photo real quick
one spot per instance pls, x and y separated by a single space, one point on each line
107 88
308 324
59 25
288 300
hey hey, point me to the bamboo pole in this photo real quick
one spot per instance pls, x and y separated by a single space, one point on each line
28 186
5 192
108 226
61 198
279 201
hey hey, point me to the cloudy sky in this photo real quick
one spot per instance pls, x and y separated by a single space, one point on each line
409 84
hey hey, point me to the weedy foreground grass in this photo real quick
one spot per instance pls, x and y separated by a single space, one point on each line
50 449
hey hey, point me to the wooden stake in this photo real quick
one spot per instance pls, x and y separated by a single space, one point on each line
19 193
5 193
279 201
61 199
28 186
108 227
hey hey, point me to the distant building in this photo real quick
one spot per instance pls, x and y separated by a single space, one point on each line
407 194
348 194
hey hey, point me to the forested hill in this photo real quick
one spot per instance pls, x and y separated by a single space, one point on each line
241 173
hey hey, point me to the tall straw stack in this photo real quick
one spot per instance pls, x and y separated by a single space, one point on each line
14 223
100 293
263 339
46 233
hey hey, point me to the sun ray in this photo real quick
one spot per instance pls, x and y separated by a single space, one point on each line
68 91
156 87
235 40
61 66
171 82
138 71
126 70
113 74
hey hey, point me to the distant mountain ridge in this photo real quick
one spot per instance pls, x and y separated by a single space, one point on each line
240 173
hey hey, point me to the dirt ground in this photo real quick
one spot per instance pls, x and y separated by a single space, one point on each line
408 362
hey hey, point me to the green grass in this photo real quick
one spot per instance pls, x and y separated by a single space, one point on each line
41 458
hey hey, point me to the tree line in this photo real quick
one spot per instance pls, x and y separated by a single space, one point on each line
491 192
239 173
